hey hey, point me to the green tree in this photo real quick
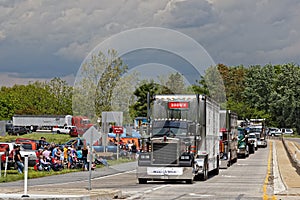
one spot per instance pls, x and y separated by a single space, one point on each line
62 95
139 108
123 95
94 85
175 84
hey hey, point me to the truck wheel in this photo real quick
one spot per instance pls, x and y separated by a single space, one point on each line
142 181
58 132
205 173
189 181
229 159
247 151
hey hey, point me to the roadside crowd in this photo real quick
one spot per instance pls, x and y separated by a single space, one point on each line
54 157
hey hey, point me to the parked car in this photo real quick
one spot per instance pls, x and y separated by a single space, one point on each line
73 132
77 142
252 138
287 131
274 132
16 130
9 149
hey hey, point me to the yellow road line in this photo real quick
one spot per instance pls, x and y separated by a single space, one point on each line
265 195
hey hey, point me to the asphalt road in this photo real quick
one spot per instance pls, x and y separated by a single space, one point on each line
243 180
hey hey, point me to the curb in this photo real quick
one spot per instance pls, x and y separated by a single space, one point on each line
279 185
66 194
295 162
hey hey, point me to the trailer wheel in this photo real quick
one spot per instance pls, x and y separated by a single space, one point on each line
217 170
229 159
189 181
142 181
205 173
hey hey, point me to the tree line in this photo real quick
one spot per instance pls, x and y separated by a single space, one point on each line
270 91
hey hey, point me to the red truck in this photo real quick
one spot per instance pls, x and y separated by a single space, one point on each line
82 124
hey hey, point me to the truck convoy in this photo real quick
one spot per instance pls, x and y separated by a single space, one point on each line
243 144
257 128
183 142
228 138
48 122
247 142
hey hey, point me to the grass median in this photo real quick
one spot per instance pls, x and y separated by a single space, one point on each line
13 175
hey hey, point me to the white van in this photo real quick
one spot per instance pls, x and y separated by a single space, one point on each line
287 131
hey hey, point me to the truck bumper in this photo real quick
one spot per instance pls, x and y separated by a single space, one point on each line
164 173
241 152
223 163
262 144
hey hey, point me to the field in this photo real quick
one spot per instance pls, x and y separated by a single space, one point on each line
50 137
13 175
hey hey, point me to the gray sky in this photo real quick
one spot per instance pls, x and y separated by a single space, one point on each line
40 40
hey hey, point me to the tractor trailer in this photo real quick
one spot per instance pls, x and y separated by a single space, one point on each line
183 139
228 138
48 122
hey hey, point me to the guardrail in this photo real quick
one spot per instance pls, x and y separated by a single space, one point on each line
292 156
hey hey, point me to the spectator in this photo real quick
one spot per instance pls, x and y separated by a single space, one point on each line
52 146
47 154
44 164
57 164
133 150
85 152
65 152
71 156
42 142
18 159
56 152
79 153
70 161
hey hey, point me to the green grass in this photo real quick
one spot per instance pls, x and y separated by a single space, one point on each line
292 136
50 137
13 175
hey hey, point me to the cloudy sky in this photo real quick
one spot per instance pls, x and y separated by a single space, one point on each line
40 40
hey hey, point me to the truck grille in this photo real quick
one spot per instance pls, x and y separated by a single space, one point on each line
165 153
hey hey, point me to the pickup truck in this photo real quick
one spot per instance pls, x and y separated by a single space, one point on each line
8 148
63 130
253 140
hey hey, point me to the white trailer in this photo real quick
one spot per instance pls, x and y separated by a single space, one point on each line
40 122
183 143
228 138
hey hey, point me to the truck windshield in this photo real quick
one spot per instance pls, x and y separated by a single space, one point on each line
169 127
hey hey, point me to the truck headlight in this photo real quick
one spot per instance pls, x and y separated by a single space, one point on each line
145 157
185 157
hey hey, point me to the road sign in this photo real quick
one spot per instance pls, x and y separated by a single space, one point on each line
118 129
92 135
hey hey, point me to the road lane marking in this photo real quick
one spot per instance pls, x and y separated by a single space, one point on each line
265 195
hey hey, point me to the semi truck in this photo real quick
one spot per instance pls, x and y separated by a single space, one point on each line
228 138
48 122
183 139
257 127
38 122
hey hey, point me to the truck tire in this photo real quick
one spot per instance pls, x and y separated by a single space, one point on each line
217 170
247 151
58 132
142 181
229 159
204 176
189 181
